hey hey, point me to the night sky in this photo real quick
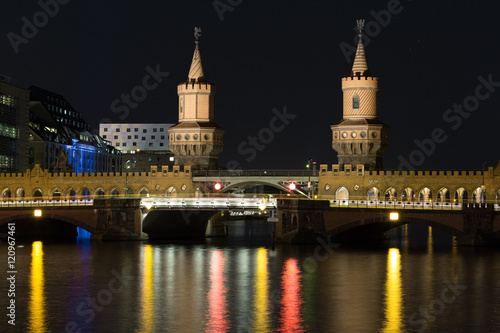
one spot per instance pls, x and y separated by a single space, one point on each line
266 55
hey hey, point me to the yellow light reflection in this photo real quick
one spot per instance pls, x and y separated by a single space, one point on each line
147 299
429 242
393 293
291 301
37 298
217 315
261 302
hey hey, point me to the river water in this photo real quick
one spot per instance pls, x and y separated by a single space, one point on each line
420 281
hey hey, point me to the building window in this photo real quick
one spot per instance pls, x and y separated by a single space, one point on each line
154 129
355 102
136 130
144 130
151 144
143 138
115 137
152 137
104 136
162 137
117 144
161 129
161 144
134 143
136 137
105 129
124 144
129 129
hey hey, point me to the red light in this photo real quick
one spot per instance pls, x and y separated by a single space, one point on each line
217 186
292 186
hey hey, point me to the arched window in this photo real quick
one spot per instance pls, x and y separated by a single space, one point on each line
355 102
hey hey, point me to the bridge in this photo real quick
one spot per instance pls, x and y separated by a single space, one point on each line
172 192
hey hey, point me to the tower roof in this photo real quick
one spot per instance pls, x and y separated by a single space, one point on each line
196 73
360 67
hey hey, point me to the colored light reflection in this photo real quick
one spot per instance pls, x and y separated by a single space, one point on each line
261 320
291 316
147 304
393 293
217 316
37 318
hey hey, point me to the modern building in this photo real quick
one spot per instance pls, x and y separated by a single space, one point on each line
14 114
360 138
196 140
129 138
59 109
61 141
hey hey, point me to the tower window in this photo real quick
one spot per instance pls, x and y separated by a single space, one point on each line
355 102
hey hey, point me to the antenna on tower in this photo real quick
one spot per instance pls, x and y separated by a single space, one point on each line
197 34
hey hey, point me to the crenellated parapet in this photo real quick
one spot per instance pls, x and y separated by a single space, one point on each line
167 180
357 183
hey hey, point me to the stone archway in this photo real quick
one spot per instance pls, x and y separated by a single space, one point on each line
342 193
372 193
425 194
391 194
407 194
461 196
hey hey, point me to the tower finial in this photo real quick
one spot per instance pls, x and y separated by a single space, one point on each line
197 34
361 26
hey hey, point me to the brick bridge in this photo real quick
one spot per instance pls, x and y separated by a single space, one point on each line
302 221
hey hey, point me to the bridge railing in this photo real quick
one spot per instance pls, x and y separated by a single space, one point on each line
395 204
46 203
255 173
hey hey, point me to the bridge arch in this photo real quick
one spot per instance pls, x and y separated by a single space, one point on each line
341 193
99 192
425 194
20 193
497 195
114 192
84 192
253 183
391 194
443 195
408 194
6 193
478 194
373 193
143 191
378 225
48 215
461 195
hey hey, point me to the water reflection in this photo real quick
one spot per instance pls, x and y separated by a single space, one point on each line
217 316
261 303
291 301
37 319
147 297
393 293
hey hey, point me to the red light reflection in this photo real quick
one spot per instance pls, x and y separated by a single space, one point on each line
217 315
291 301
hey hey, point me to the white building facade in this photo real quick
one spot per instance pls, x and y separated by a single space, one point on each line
130 138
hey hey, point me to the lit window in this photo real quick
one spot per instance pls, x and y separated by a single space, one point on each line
355 102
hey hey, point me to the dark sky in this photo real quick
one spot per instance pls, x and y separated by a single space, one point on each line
275 54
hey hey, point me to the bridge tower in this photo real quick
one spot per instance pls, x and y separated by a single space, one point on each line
360 138
196 140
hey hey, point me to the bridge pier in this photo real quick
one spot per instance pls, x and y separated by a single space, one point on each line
478 225
118 219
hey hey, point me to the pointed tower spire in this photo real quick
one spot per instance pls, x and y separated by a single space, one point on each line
196 73
360 67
